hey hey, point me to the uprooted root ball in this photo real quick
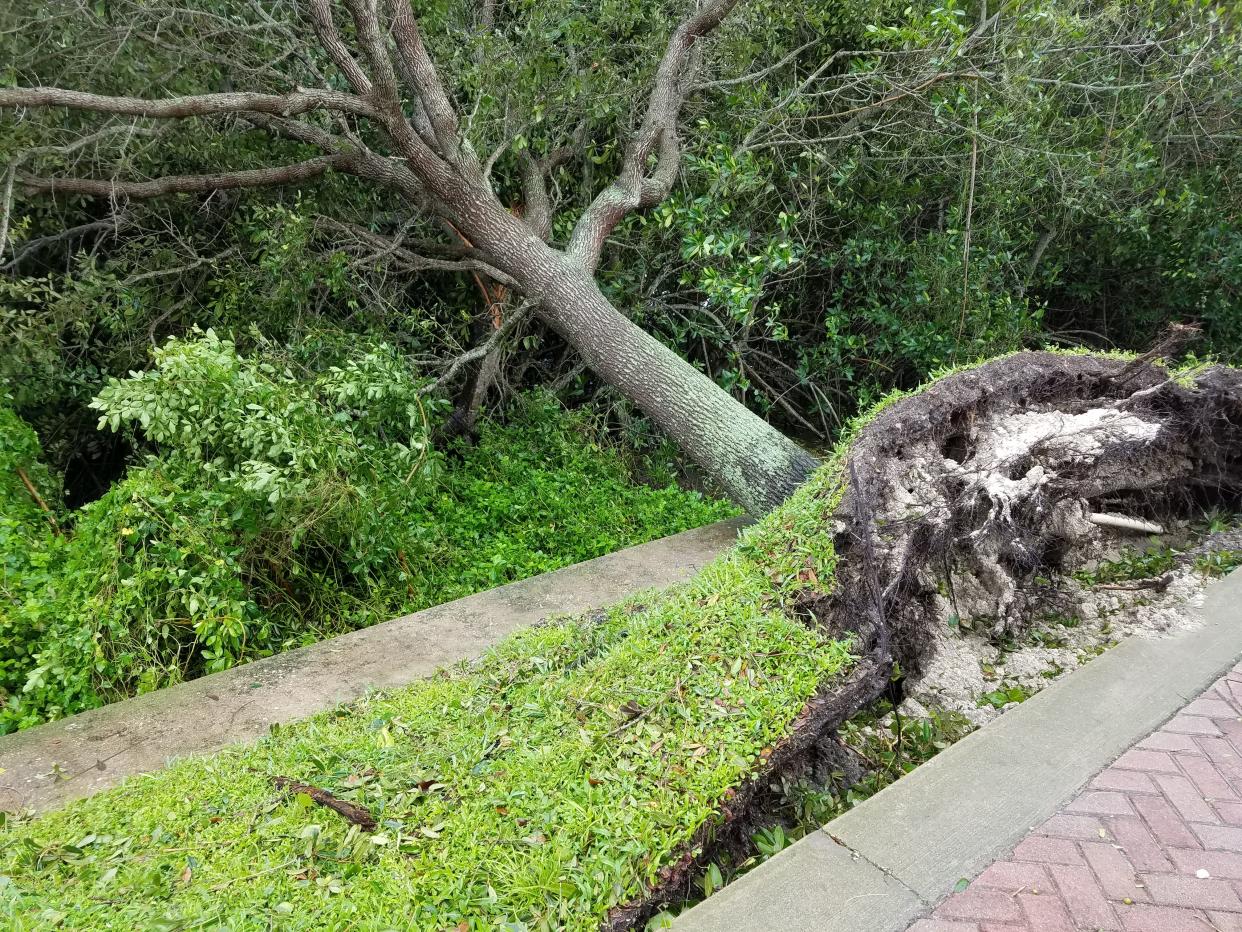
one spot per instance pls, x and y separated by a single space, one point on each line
986 485
974 498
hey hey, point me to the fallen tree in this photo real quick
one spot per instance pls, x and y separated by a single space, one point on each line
583 772
400 130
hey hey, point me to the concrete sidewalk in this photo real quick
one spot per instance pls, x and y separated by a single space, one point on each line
896 856
1154 842
51 764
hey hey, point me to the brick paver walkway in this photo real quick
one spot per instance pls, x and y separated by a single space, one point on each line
1152 844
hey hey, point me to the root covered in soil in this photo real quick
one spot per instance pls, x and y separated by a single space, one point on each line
980 490
970 503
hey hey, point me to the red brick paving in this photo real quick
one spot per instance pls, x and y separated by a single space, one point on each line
1152 843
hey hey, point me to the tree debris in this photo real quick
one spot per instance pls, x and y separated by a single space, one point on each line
350 812
967 499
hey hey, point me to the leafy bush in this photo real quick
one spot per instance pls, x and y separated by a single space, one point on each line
27 542
282 506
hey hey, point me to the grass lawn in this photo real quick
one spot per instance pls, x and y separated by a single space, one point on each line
536 789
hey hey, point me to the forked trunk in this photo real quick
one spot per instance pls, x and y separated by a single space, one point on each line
753 462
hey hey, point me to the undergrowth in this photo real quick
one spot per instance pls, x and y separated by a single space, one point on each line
277 507
538 789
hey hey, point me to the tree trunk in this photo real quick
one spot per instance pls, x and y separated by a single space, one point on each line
473 395
753 462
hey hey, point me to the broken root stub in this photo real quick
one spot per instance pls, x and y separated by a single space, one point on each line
968 498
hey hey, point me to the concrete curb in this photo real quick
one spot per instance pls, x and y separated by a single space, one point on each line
894 856
51 764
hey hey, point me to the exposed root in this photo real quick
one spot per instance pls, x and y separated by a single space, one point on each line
981 487
973 499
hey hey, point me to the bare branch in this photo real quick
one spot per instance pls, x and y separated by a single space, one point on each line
1092 88
1037 255
637 187
190 266
355 158
762 72
303 100
10 176
536 204
501 333
183 184
37 245
330 38
501 148
417 142
6 205
366 23
385 248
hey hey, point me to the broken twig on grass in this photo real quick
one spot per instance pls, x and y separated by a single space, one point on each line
350 812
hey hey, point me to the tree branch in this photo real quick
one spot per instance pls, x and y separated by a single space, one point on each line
391 248
35 246
419 73
34 493
1037 255
183 184
536 204
501 333
302 100
637 186
417 142
6 205
330 38
762 72
366 23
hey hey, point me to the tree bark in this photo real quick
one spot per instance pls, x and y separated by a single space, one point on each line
753 462
436 169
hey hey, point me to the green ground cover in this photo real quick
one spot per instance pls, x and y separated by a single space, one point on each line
536 789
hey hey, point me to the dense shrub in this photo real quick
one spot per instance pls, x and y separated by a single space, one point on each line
281 506
909 187
944 189
27 544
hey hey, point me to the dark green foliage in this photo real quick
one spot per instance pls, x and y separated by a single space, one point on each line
938 192
283 507
936 195
28 545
